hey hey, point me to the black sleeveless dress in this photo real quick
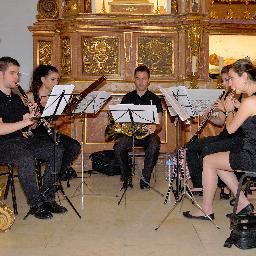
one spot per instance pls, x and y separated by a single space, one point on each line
244 158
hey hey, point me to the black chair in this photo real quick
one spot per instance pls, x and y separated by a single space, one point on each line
245 181
10 183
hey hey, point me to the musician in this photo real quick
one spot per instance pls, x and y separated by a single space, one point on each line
242 77
44 78
151 143
201 147
21 151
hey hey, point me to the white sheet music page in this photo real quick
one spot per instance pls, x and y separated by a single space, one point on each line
174 106
146 114
203 99
93 102
58 99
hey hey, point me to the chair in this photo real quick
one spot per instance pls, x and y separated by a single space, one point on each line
245 181
10 183
139 153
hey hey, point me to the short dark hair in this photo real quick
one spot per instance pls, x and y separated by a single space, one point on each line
6 61
225 69
142 68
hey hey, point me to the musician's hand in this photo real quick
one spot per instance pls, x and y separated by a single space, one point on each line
237 103
219 105
229 103
29 118
151 128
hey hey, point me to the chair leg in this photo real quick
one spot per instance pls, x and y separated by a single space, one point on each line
10 183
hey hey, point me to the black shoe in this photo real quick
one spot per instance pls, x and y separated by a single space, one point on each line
247 210
127 184
40 212
67 173
223 195
144 185
53 207
190 216
197 193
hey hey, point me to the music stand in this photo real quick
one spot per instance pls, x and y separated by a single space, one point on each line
55 105
91 104
134 114
184 191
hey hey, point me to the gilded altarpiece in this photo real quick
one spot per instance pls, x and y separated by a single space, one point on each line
84 45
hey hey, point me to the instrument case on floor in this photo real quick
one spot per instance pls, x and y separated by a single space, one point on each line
243 236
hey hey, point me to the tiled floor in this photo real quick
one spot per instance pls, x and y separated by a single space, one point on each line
109 229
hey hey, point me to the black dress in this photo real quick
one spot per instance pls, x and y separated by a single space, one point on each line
244 158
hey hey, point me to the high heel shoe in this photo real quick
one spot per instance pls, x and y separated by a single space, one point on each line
223 195
247 210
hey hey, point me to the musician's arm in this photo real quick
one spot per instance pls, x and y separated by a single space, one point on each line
156 128
218 118
7 128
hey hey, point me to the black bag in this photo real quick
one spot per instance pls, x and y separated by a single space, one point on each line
242 236
104 162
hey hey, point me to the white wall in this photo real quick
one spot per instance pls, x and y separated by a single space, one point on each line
15 38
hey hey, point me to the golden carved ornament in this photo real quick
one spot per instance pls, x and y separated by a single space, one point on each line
195 35
174 7
71 8
66 56
44 52
212 14
87 6
157 54
100 55
47 9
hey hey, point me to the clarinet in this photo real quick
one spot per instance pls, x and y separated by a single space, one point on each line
45 124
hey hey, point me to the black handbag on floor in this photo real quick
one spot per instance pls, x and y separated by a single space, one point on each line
243 235
104 162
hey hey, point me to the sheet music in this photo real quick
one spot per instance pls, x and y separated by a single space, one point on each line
194 101
146 114
174 107
93 102
54 99
203 99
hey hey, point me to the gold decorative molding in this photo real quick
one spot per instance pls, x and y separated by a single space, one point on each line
87 6
195 35
44 52
157 53
71 8
127 46
47 9
66 56
100 55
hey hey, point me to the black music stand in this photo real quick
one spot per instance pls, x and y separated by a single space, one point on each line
134 114
182 190
54 107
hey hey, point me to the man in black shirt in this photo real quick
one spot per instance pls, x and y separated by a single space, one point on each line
151 143
21 151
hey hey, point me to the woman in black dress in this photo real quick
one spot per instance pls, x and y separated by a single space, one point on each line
242 78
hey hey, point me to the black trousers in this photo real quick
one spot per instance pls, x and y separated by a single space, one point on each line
22 153
71 150
198 149
151 146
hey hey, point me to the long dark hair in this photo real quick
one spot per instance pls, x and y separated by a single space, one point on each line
39 72
244 65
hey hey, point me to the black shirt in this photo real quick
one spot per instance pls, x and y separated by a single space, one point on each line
12 110
145 99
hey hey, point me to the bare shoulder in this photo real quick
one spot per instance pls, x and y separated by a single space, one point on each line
249 104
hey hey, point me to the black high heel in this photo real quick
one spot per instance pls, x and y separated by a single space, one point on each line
223 195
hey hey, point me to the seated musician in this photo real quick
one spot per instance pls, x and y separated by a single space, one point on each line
45 77
151 143
199 148
22 151
242 78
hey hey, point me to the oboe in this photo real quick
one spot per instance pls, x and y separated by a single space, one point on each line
28 133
